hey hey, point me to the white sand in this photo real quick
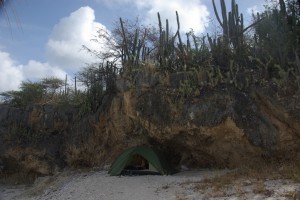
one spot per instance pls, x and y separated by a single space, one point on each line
98 185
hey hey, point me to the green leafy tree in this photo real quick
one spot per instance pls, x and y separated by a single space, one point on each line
44 91
51 85
29 93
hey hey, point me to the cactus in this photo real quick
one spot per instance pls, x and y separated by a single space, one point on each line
167 48
133 50
125 48
233 24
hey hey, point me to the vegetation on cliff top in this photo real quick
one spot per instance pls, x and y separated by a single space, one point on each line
264 54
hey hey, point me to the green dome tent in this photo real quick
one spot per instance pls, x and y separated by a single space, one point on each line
155 161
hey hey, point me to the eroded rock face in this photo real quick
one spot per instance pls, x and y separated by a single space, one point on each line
197 131
219 127
222 126
32 140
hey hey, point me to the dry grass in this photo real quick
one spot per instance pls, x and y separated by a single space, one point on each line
216 183
239 189
88 154
271 170
31 162
17 178
259 187
291 171
234 182
180 195
216 186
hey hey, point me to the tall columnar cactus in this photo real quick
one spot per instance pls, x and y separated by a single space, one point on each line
125 55
231 45
133 49
166 52
175 54
232 24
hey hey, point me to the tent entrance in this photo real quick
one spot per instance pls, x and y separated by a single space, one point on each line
138 165
140 160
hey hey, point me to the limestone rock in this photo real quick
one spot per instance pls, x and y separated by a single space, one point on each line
221 126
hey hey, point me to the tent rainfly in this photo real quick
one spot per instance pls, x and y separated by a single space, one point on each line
153 162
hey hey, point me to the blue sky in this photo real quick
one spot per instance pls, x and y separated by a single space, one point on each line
40 38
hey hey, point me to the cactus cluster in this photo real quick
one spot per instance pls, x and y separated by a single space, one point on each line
136 51
228 58
170 53
277 43
174 54
232 24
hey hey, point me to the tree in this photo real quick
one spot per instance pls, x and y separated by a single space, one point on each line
128 44
98 80
29 93
43 91
51 85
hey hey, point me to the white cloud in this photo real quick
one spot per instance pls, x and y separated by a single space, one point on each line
64 47
35 70
114 2
10 73
64 51
253 10
192 13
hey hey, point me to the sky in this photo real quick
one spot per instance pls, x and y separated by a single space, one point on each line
44 38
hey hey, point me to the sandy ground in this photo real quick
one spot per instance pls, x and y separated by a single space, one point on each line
95 185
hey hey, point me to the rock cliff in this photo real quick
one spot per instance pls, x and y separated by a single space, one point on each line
219 126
